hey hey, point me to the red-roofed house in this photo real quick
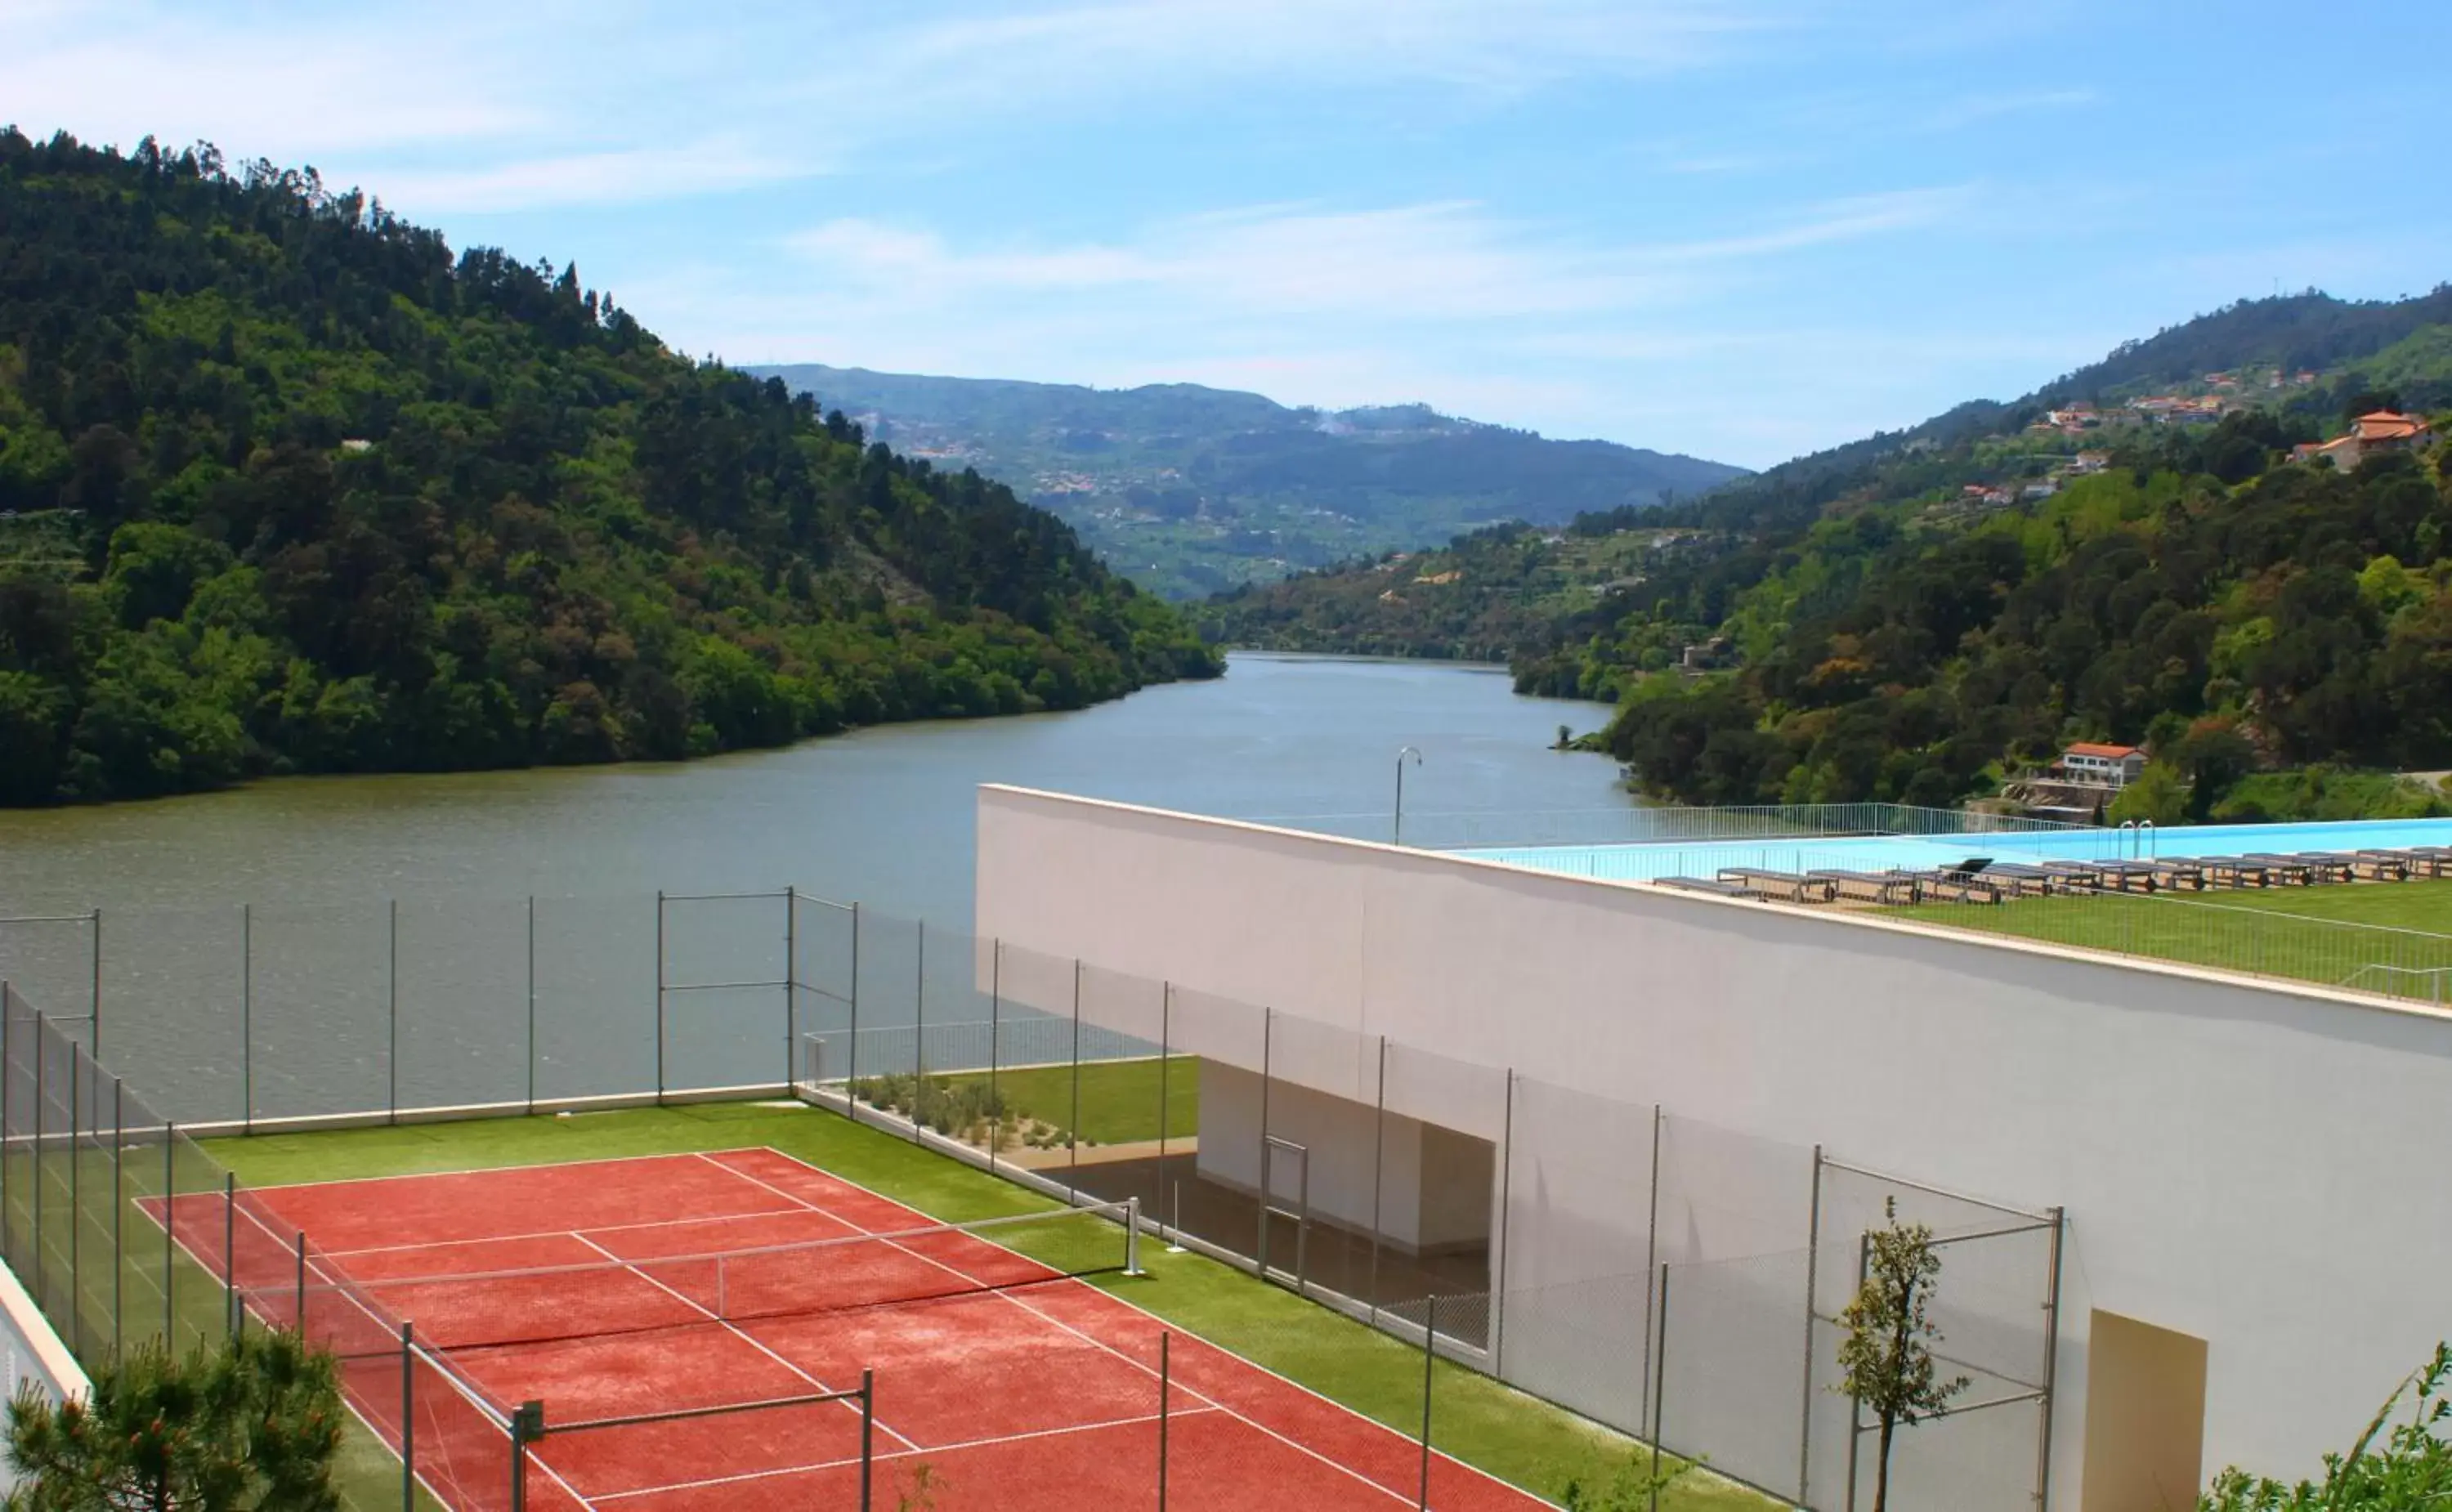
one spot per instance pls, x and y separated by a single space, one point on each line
2112 765
2371 434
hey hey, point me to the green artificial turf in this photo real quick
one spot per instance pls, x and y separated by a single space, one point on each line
1479 1421
2307 932
1120 1100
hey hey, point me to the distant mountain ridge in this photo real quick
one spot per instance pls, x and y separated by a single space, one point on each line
1190 489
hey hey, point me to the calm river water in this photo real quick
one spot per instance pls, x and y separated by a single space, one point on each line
881 815
338 944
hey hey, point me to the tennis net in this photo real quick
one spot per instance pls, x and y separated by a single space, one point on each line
455 1310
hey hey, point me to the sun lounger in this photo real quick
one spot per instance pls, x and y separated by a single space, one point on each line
2179 872
1705 884
1956 885
2333 866
2021 880
2409 863
2294 870
2087 874
2239 871
2127 876
1869 887
1794 886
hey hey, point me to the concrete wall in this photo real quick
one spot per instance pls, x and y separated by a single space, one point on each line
1432 1188
2252 1164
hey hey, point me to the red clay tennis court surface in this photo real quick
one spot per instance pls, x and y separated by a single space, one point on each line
614 1289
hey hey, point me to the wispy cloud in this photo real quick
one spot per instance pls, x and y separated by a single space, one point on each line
1447 262
624 175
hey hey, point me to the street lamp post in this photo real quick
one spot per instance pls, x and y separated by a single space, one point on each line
1398 836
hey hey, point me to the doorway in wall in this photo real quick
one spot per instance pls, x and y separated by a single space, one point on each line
2144 1416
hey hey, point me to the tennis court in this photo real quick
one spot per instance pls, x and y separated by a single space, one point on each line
741 1330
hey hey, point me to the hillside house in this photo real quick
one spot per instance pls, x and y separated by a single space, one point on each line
2114 766
2370 435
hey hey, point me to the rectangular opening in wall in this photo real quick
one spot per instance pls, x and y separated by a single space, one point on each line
2144 1416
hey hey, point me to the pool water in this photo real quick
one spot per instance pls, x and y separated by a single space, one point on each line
1648 861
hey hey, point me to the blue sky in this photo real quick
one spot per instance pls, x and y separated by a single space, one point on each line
1741 230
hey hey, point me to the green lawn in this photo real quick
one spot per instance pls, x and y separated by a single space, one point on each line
2309 933
1479 1420
1119 1099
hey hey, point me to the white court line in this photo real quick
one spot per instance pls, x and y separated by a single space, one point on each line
1288 1381
449 1377
488 1171
728 1326
903 1454
1093 1342
594 1228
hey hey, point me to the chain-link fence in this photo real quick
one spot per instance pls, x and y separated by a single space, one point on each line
1662 1275
1671 1278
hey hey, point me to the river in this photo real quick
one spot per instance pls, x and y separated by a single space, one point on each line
882 815
327 945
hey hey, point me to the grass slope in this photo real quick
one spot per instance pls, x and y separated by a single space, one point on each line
2296 931
1484 1423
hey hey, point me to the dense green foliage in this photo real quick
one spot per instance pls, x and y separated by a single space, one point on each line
1193 490
1917 617
2395 1466
285 486
251 1425
1476 600
2299 616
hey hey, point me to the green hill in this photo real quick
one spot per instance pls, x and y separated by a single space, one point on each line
287 486
1916 615
1191 490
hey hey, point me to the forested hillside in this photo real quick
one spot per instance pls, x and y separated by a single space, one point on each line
2293 616
287 486
1917 616
1191 489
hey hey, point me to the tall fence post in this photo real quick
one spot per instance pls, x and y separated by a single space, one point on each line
1073 1132
8 1129
851 1075
97 983
791 982
407 1416
1165 1032
230 1253
1498 1275
1651 1262
76 1202
995 1019
660 997
41 1099
1813 1258
1268 1050
391 1011
918 1021
169 1244
1659 1387
1430 1360
298 1308
2051 1368
868 1434
532 1038
1855 1407
118 1200
246 1016
1378 1172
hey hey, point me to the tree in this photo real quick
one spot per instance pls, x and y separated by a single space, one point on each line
1887 1353
251 1426
2412 1469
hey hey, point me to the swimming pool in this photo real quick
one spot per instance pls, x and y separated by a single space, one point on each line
1881 853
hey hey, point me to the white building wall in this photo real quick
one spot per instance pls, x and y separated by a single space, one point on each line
2254 1164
